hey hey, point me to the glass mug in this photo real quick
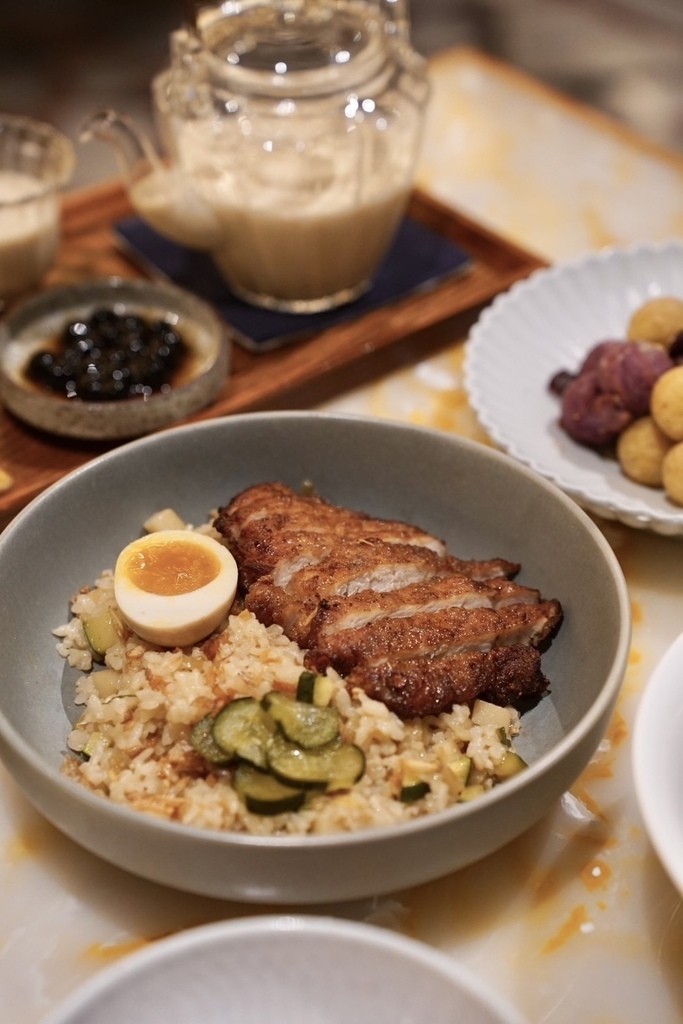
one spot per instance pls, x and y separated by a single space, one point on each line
36 162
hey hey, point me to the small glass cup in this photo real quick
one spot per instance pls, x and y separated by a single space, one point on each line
36 161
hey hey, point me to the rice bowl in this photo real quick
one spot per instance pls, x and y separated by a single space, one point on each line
479 500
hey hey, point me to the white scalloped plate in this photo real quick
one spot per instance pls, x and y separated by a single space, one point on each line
547 323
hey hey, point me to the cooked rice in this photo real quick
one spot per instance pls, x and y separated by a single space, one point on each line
138 739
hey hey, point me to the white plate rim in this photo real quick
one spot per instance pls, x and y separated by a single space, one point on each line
656 736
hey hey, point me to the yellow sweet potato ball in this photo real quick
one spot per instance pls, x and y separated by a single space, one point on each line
657 321
672 474
666 403
641 448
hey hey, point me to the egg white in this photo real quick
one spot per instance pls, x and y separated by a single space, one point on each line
176 620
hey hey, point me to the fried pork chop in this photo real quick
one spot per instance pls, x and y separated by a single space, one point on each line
385 604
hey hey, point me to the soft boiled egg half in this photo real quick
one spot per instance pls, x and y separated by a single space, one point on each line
174 587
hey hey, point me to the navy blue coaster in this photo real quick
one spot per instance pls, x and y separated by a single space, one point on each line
418 260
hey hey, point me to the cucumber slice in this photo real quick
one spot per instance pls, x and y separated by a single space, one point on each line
510 765
203 742
347 768
471 792
460 768
262 793
332 767
102 631
302 723
243 729
412 791
314 689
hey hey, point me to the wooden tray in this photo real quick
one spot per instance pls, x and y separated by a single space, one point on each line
298 377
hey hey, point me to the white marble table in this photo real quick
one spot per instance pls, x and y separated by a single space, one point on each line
575 921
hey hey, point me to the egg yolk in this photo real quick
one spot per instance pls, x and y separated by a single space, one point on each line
172 568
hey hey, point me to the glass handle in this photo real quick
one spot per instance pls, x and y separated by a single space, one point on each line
397 18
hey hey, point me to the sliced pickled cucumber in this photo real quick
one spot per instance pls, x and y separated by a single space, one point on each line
347 767
503 736
302 723
460 768
242 729
203 742
262 793
472 792
411 791
102 630
332 767
314 689
274 771
511 764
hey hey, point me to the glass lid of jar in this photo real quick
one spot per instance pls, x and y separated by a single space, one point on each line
304 48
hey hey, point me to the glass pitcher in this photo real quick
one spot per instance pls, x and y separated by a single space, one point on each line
291 132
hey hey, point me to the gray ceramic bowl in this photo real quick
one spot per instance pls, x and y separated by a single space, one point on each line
481 502
38 321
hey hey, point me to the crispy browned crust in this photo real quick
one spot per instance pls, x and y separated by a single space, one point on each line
384 603
424 686
431 595
438 634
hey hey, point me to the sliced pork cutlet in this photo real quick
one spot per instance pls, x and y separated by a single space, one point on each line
276 554
305 621
273 531
432 595
435 635
385 604
375 569
284 509
292 599
419 687
374 564
274 500
279 551
258 502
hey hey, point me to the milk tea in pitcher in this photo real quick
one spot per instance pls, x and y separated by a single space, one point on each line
290 132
